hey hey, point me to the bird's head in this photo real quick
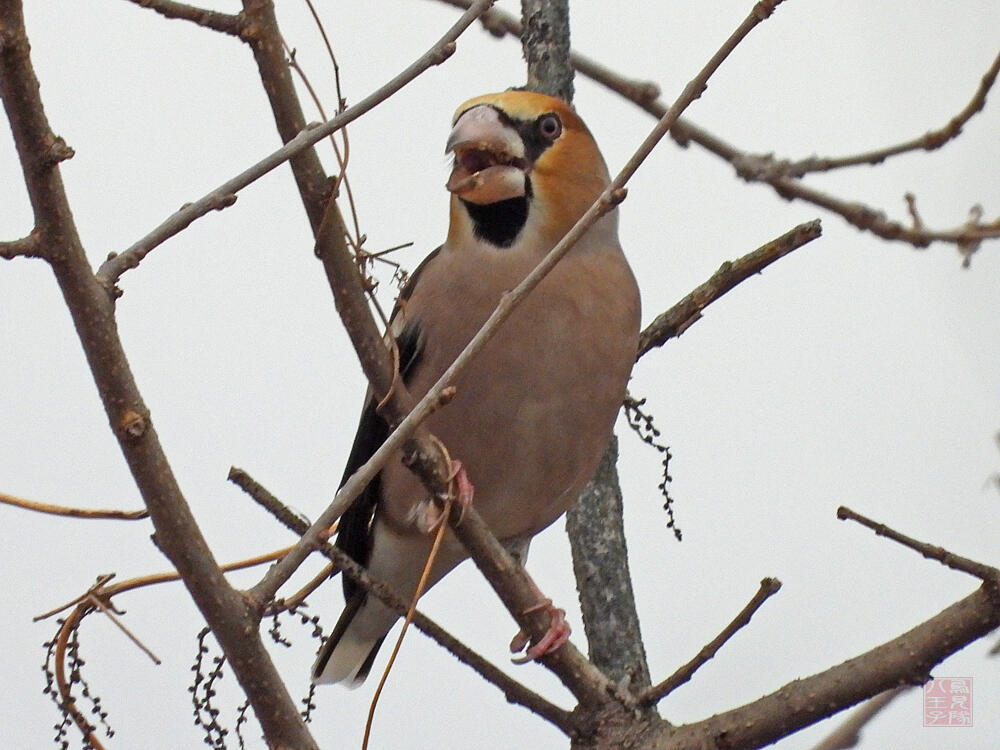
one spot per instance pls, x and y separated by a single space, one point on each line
521 160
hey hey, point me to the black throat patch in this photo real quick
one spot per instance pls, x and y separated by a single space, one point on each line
499 223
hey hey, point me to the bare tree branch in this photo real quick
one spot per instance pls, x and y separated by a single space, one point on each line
177 533
106 592
501 24
678 318
861 216
906 660
768 588
226 23
111 615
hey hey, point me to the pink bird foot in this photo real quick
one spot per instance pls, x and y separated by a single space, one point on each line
555 637
430 512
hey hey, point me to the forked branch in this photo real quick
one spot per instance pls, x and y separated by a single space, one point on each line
768 588
906 660
678 318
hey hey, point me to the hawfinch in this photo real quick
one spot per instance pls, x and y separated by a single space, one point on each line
534 410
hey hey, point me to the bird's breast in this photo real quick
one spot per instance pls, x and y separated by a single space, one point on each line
534 410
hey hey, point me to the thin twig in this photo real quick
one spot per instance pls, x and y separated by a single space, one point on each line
65 694
911 209
152 579
295 600
933 139
96 602
408 618
874 221
357 241
226 23
265 499
848 734
985 573
63 510
768 588
224 195
678 318
329 51
342 159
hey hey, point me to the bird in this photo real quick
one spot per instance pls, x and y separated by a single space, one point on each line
533 413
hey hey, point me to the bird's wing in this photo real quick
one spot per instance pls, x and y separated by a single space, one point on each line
354 531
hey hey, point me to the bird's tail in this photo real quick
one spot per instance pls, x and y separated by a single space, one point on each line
347 655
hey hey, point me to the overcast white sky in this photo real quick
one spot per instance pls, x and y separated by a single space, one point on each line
854 372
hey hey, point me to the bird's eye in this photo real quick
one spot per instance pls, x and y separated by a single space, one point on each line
550 126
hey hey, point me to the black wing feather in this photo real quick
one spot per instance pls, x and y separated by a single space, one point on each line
354 531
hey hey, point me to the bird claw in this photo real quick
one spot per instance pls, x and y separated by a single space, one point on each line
430 513
555 637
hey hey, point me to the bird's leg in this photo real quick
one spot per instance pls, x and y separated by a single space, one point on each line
555 637
430 512
463 489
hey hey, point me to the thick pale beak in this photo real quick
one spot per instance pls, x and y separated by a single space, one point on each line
490 164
